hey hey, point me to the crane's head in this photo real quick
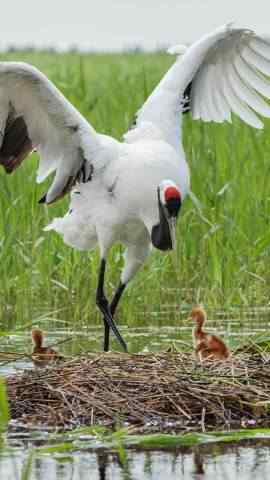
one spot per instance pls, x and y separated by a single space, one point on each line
163 235
198 314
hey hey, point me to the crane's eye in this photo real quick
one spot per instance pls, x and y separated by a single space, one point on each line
173 206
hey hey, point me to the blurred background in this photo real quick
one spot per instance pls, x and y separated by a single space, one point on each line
121 24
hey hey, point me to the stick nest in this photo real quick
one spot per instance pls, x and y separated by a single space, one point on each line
150 392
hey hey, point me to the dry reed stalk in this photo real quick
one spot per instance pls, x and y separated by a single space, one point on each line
152 392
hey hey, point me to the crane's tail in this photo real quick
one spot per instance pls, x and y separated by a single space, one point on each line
75 232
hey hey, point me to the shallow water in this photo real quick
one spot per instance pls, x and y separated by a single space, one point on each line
242 461
235 326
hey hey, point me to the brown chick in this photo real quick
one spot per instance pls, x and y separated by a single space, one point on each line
207 346
42 356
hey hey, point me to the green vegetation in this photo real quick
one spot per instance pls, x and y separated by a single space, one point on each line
93 437
122 448
4 409
223 237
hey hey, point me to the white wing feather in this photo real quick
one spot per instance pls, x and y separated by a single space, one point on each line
239 69
227 68
212 105
252 77
260 46
64 139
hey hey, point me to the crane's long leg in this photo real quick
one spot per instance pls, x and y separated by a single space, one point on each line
135 256
121 287
106 336
104 307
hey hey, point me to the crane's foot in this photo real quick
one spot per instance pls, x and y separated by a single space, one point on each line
104 307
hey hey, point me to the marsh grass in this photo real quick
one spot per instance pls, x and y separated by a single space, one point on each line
223 237
4 414
4 408
94 437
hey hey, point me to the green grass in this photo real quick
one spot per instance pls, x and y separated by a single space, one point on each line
4 413
223 239
94 437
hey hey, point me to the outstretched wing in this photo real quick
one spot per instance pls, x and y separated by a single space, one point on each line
225 71
35 115
233 78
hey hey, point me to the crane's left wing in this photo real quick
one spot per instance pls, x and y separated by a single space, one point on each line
35 115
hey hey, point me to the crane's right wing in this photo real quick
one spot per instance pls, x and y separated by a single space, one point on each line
225 72
233 78
35 115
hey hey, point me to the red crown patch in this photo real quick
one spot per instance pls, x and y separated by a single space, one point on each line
171 192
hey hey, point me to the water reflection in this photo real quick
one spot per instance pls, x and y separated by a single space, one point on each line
218 462
198 463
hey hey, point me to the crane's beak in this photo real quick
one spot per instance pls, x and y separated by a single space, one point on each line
163 235
172 227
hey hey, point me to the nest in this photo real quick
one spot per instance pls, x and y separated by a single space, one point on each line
149 392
